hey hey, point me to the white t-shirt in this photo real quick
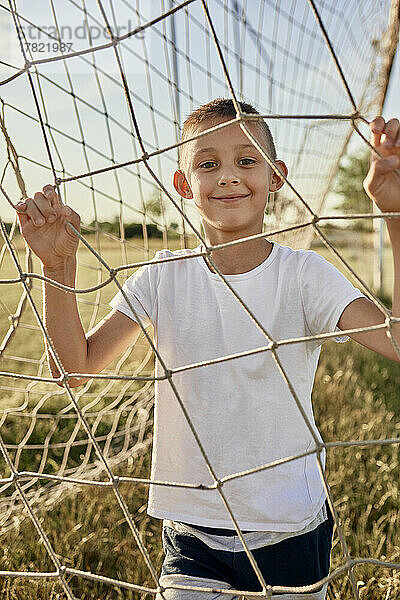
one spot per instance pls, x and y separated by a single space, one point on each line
242 409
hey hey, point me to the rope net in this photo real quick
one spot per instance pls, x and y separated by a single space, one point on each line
98 114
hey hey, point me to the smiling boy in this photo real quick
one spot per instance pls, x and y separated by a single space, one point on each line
242 409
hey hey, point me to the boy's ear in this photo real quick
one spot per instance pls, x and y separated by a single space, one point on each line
181 185
277 182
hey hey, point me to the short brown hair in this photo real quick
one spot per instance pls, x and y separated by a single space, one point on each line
223 108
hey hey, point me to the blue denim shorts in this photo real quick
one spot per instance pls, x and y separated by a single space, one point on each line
296 561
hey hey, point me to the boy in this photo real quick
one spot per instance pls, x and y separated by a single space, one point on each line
242 409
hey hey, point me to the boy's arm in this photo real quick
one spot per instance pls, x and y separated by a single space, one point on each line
363 313
79 353
382 185
44 222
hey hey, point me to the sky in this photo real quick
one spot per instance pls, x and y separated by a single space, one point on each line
392 105
285 68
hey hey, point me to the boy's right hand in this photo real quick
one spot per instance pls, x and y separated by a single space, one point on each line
43 224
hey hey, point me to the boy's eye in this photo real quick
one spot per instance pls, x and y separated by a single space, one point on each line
208 164
247 161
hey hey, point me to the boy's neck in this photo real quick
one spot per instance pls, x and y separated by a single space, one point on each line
242 257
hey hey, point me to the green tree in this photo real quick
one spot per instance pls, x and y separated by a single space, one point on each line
349 185
153 205
154 209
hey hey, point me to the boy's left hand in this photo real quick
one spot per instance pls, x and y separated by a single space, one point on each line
382 183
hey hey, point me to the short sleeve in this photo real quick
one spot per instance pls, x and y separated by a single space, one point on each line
141 293
325 294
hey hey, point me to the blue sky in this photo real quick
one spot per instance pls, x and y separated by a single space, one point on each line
286 70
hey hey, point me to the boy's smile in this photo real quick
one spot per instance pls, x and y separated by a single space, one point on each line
232 198
229 181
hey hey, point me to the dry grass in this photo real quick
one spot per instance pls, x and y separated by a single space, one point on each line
355 398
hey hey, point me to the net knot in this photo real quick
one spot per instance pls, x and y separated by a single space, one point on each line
57 181
64 378
389 322
268 591
113 272
28 65
14 320
350 562
145 156
15 476
24 276
115 481
61 570
315 219
272 345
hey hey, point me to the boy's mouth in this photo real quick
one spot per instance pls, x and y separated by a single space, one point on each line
231 197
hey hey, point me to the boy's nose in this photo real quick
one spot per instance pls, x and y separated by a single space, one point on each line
226 179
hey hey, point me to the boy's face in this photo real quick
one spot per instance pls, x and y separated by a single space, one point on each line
228 179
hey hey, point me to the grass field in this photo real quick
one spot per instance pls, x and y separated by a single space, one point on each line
356 397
